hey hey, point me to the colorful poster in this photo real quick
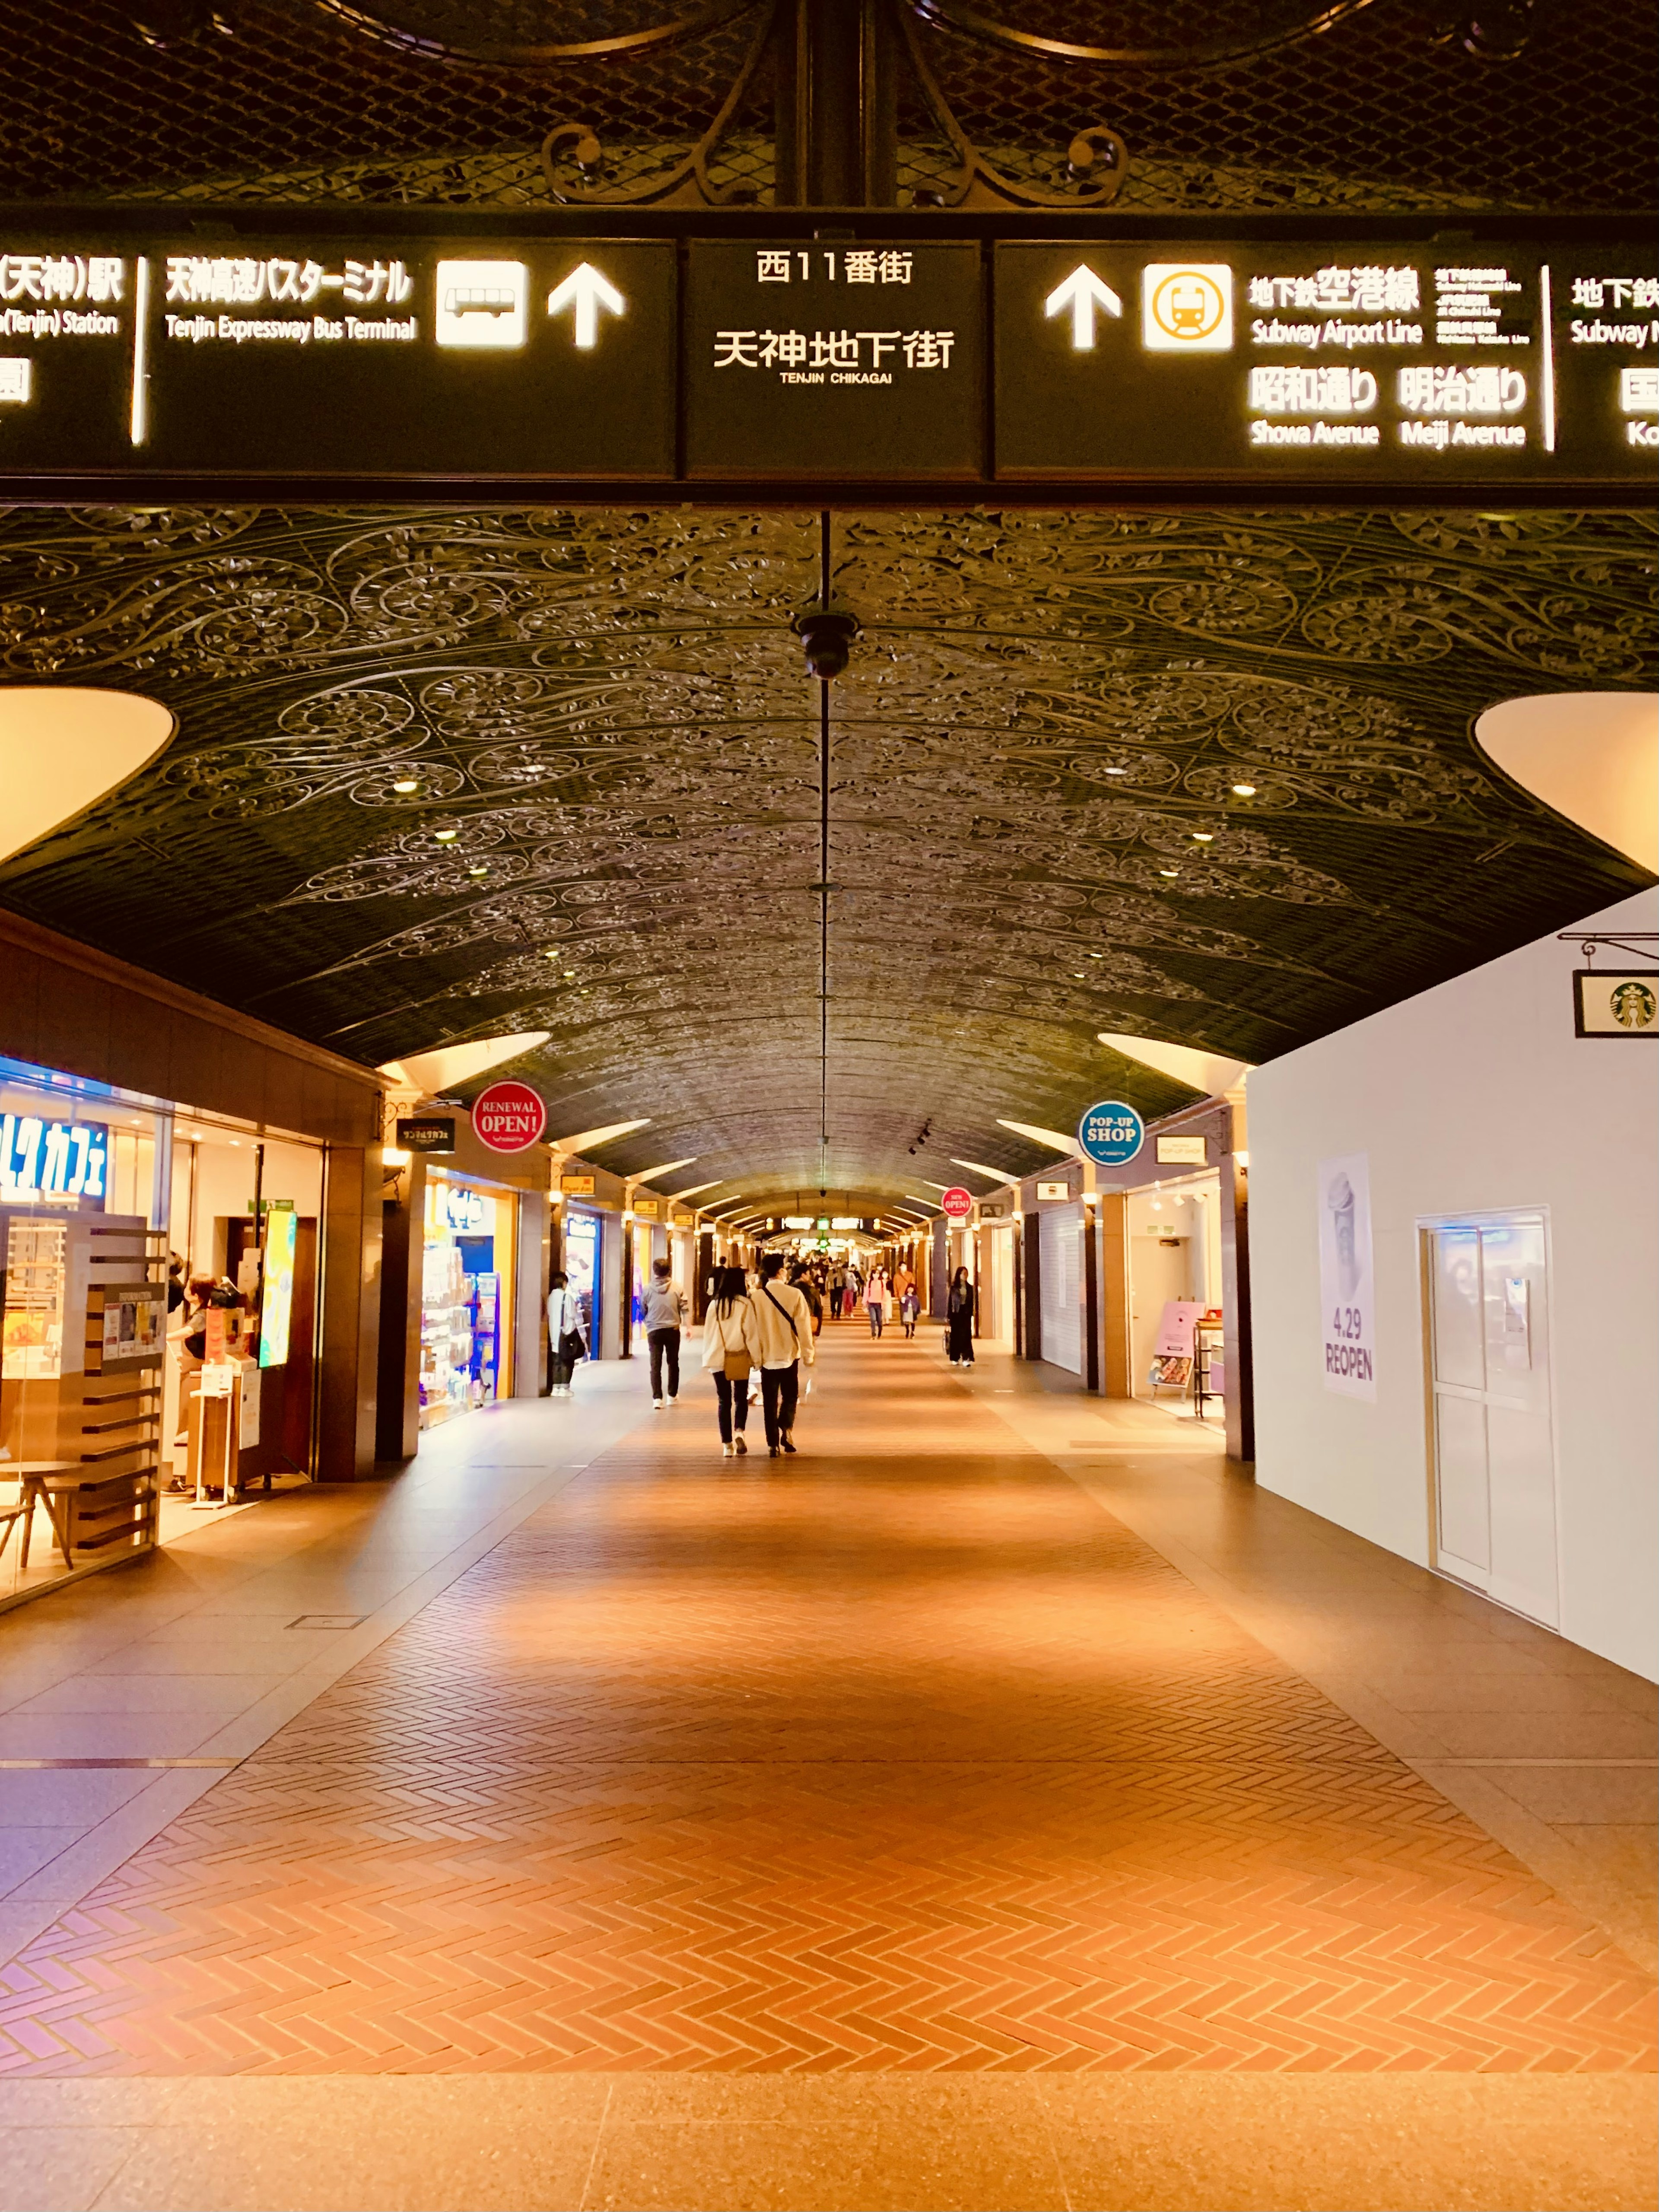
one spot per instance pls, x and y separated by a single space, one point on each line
1175 1330
1346 1291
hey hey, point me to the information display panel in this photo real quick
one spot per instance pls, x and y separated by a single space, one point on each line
807 356
1415 362
290 356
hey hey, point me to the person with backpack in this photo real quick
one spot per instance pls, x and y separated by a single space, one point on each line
566 1339
730 1351
663 1317
784 1321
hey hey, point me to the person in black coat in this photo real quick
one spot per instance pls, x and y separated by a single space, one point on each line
961 1313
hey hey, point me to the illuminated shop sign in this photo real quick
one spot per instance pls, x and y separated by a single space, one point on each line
349 358
41 1159
467 1212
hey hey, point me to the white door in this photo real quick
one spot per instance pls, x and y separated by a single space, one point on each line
1060 1236
1493 1449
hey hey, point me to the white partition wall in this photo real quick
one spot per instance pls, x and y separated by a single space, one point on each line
1475 1104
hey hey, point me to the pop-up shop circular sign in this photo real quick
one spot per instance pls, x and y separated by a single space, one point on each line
508 1116
956 1204
1111 1134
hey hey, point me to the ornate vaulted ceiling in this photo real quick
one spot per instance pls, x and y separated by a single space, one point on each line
445 775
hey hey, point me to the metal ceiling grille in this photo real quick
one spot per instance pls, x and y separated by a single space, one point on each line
1205 775
1395 107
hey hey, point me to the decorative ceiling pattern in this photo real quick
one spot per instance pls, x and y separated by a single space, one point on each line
1202 776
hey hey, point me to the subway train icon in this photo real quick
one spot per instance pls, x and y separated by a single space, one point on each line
1187 307
481 304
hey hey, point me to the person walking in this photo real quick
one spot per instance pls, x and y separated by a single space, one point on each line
875 1300
784 1321
566 1339
730 1351
960 1311
909 1307
664 1316
807 1284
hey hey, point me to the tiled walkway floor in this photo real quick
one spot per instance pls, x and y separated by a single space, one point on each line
903 1756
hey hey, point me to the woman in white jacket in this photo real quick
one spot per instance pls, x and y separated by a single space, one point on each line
730 1351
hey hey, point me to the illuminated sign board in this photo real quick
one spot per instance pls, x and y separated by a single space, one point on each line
276 1295
859 360
287 345
1382 362
62 1160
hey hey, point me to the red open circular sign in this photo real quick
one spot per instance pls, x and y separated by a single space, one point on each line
508 1116
958 1204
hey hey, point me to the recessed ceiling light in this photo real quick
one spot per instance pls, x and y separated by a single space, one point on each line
1077 975
1096 956
446 837
1204 836
483 871
407 784
1117 771
1244 791
1168 871
550 955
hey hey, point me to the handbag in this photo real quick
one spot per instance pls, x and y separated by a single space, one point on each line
736 1366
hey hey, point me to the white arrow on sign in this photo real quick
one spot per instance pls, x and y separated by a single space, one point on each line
585 290
1082 292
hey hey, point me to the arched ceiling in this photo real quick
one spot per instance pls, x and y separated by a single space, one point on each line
614 835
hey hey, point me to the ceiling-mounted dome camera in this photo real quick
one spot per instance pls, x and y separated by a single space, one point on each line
827 633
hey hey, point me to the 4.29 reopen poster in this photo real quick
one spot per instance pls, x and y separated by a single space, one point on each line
1347 1294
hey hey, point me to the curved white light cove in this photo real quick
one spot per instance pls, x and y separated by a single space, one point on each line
1208 1071
62 748
437 1072
1593 756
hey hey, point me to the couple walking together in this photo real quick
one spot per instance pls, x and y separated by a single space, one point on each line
770 1327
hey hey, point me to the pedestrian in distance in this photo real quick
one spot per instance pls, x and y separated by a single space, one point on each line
731 1353
909 1307
960 1312
875 1300
664 1317
785 1321
566 1339
808 1285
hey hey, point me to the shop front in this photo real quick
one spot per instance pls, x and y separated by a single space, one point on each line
469 1275
189 1262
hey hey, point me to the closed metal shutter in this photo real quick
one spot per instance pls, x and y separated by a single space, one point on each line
1060 1234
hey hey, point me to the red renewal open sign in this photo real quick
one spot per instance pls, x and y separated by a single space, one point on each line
508 1116
956 1204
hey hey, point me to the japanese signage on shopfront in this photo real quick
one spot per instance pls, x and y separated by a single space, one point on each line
815 360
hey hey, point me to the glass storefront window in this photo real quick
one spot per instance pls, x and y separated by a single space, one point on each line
467 1272
83 1327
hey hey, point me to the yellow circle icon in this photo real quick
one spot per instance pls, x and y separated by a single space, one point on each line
1187 306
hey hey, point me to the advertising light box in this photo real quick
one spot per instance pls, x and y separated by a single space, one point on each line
1425 362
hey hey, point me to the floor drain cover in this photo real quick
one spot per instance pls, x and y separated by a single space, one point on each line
329 1620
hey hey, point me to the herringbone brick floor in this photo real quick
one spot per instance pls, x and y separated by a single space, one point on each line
903 1756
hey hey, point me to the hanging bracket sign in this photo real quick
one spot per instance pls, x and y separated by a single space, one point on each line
1111 1134
508 1116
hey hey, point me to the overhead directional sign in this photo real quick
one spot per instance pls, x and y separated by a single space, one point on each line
1360 363
283 346
862 361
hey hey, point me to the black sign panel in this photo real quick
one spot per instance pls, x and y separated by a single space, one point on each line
426 1132
834 359
277 348
527 356
1412 363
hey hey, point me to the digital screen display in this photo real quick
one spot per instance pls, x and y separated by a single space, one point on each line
276 1301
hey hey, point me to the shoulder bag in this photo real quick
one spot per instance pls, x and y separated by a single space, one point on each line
737 1365
787 1316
